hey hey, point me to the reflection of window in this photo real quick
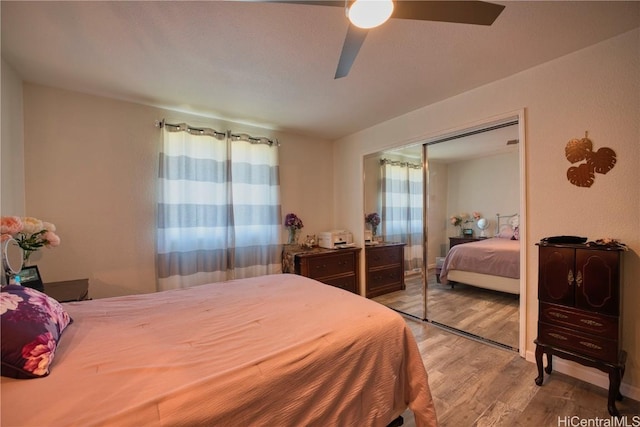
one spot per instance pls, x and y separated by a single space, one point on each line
402 208
219 207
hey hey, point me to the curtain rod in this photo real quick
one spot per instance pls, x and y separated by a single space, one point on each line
384 161
183 127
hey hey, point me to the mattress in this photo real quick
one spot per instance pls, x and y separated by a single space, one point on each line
494 257
273 350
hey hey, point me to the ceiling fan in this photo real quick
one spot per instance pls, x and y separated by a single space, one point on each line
464 12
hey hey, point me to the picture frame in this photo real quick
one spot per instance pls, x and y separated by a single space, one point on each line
467 232
30 277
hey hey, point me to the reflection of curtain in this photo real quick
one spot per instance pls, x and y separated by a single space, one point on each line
402 208
218 208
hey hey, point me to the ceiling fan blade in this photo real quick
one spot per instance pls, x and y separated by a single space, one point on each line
463 12
352 43
338 3
460 11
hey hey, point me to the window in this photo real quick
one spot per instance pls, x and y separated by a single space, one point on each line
218 208
402 208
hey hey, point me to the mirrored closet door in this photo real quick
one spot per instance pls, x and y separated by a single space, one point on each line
469 191
394 229
473 196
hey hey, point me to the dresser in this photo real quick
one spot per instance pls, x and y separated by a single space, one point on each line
385 268
336 267
579 310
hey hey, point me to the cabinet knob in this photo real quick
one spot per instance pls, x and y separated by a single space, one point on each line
579 278
570 278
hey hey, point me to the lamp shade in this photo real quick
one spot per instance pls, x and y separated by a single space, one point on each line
370 13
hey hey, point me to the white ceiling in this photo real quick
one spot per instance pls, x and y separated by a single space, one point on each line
272 65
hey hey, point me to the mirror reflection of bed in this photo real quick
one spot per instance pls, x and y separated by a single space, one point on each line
475 173
483 274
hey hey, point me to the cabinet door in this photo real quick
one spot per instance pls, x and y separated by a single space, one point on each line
556 272
597 276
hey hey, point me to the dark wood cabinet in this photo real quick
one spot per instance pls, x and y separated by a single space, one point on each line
336 267
579 310
68 290
385 268
460 240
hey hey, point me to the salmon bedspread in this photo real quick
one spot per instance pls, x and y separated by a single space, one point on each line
277 350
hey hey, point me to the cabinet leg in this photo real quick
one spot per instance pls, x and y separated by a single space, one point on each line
549 367
614 391
620 396
539 353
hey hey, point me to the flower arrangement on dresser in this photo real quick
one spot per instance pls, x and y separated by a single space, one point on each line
461 219
30 233
373 219
456 221
293 224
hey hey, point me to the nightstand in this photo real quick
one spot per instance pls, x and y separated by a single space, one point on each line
460 240
68 290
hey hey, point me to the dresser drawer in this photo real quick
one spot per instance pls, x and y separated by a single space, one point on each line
348 283
573 341
378 278
584 321
383 256
384 280
324 266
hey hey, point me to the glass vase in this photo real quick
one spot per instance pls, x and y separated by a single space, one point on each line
26 254
293 236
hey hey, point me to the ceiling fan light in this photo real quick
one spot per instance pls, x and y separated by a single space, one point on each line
370 13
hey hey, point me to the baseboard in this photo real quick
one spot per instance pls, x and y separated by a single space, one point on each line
587 374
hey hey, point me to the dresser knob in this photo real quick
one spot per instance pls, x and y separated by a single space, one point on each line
591 322
590 345
558 336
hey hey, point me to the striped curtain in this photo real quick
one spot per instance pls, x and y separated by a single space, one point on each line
218 209
401 186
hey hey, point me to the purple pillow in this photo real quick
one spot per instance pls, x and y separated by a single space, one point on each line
32 324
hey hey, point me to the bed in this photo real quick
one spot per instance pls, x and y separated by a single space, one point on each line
492 263
280 350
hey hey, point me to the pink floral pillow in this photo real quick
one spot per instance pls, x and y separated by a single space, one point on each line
506 232
516 234
32 324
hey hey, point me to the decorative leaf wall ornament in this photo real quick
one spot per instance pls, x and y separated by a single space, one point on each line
601 161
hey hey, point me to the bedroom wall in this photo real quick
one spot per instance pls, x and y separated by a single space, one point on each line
488 185
12 200
595 89
91 168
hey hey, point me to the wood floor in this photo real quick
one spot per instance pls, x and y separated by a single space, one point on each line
481 312
476 384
